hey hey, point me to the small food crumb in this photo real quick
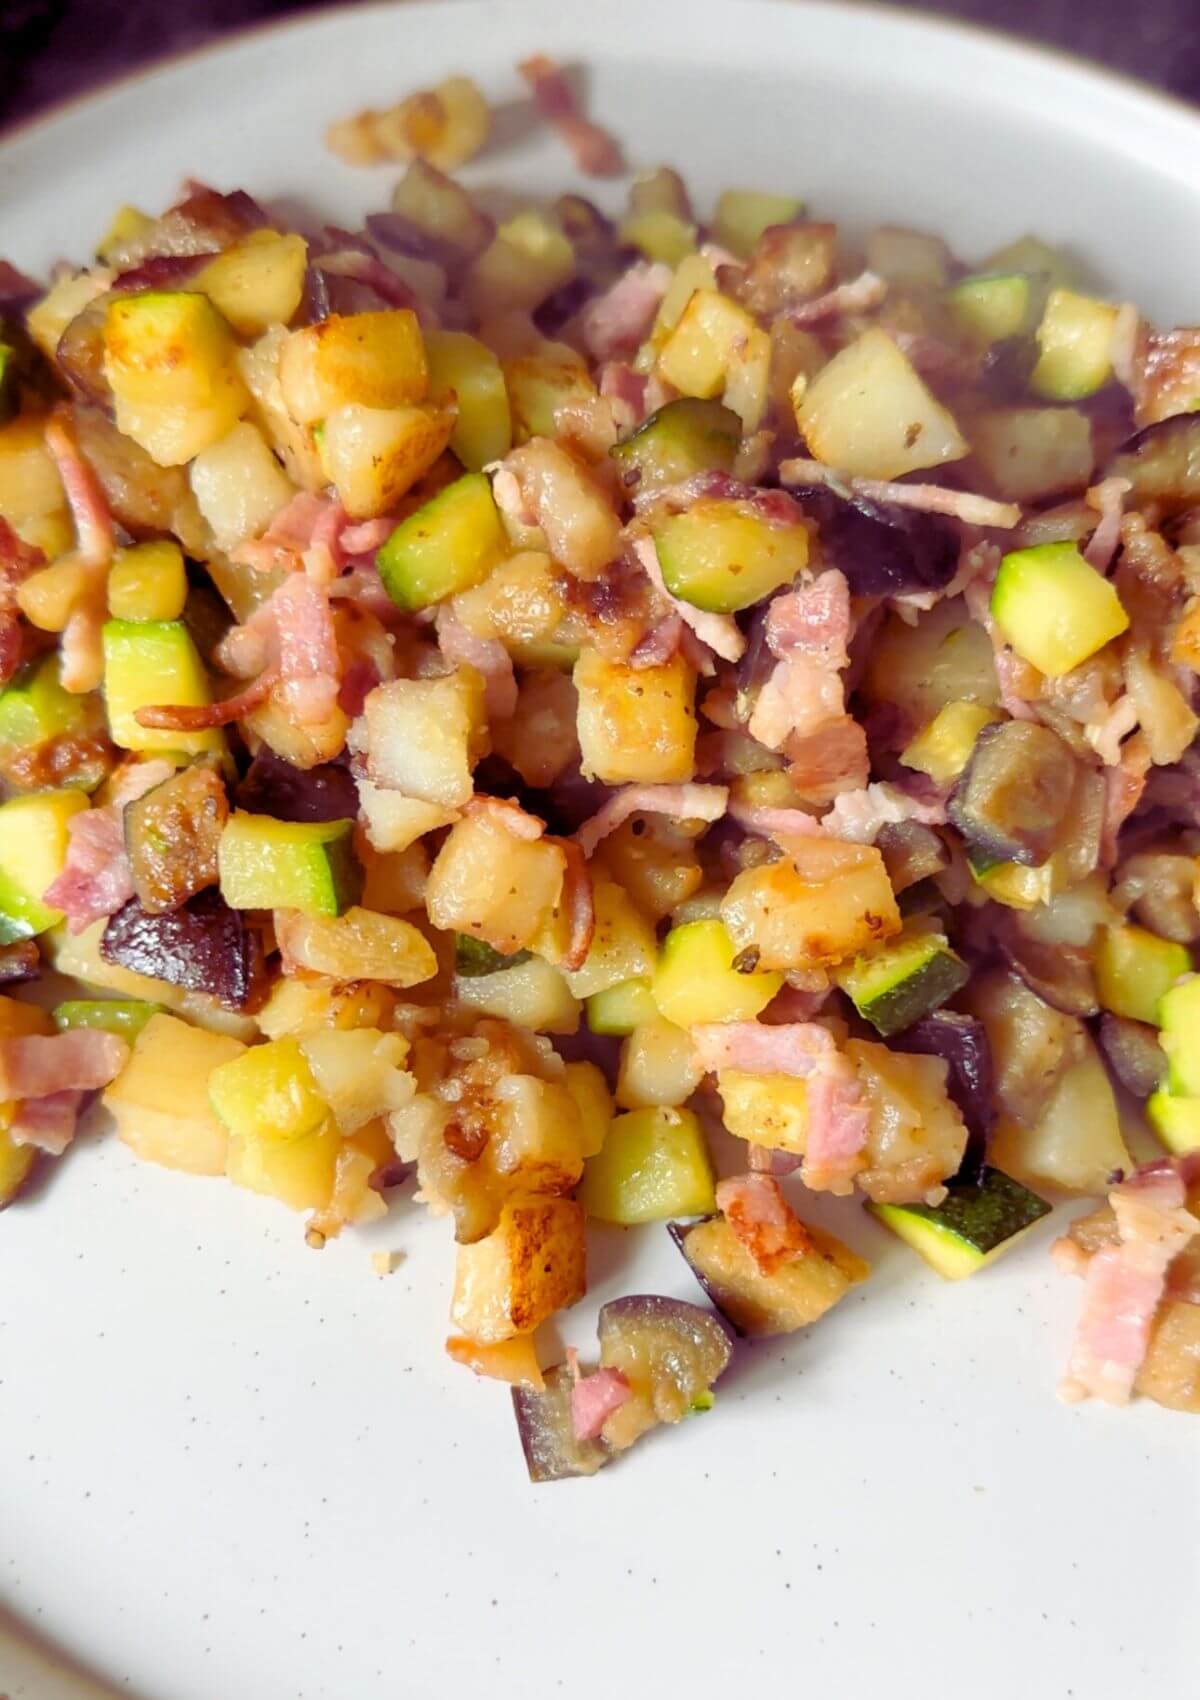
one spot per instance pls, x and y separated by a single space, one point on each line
383 1262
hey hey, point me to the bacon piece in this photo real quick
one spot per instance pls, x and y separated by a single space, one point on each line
367 536
81 652
683 802
613 324
177 717
290 532
660 643
813 621
626 389
1124 1283
1166 373
17 561
49 1123
828 761
838 1124
369 269
763 1220
95 880
82 1059
1108 499
1105 734
1123 788
766 1161
594 1398
16 288
923 498
780 824
859 295
578 898
858 815
487 655
795 1048
596 153
798 698
719 631
510 817
309 665
89 509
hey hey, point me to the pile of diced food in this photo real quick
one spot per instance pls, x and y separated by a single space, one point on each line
495 705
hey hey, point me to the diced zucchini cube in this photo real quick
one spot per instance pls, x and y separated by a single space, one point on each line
1054 607
274 864
148 582
447 546
33 852
698 977
654 1165
1135 969
148 663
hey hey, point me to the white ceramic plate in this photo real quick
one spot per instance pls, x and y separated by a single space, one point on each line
238 1470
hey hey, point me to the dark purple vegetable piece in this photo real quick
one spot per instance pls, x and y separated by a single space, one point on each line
205 946
881 549
673 1350
273 786
1163 463
1010 802
19 962
679 1232
79 354
552 314
911 853
1156 884
1133 1052
16 289
962 1043
1061 974
552 1452
162 271
171 837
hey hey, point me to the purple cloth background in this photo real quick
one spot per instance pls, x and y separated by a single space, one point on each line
50 49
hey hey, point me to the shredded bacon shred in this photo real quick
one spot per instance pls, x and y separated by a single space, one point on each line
1108 500
596 153
964 505
89 509
177 717
858 295
682 802
578 898
594 1398
82 1059
615 323
487 655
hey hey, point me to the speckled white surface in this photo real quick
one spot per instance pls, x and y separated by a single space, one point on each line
235 1469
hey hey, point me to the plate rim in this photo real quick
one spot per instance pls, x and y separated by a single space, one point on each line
911 20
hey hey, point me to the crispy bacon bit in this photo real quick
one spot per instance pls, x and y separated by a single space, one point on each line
1105 734
660 643
798 698
368 269
16 289
859 295
782 825
626 389
838 1124
290 533
176 717
81 654
1108 499
89 510
1124 1283
923 498
596 152
763 1220
309 664
719 631
578 898
803 699
508 816
615 323
594 1398
83 1059
487 655
1166 373
828 761
367 536
48 1123
682 802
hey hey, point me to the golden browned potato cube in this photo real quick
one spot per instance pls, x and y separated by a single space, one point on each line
827 901
495 886
916 1137
423 736
766 1109
623 944
159 1100
373 360
532 1264
636 725
372 456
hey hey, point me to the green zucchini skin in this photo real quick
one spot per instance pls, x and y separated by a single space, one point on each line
903 983
973 1225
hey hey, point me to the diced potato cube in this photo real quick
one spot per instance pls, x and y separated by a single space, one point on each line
766 1109
165 348
373 456
394 883
537 1138
159 1100
30 487
623 944
257 282
494 886
359 945
359 1073
514 1361
16 1161
147 582
295 444
742 215
1031 452
239 485
48 318
527 259
715 346
173 433
657 1066
423 736
654 1165
538 385
307 1006
655 859
587 1085
532 1264
268 1091
636 725
394 822
916 1137
868 413
534 994
298 1172
372 360
581 526
827 901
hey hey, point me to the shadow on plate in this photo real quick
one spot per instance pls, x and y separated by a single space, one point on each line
32 1666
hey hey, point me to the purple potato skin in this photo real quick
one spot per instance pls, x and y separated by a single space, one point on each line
962 1043
552 1452
679 1232
203 946
274 787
